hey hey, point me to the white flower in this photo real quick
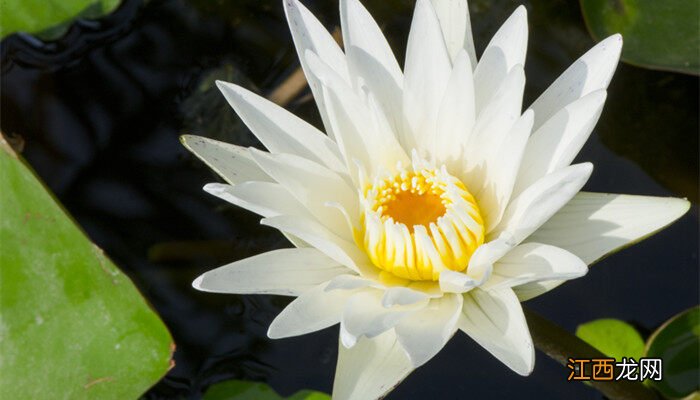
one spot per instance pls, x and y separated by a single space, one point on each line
433 204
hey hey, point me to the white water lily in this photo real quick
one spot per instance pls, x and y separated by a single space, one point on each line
433 204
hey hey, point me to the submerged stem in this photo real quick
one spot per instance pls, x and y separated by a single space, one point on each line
559 344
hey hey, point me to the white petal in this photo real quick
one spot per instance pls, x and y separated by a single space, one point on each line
479 268
371 75
344 252
361 31
456 115
535 262
592 225
506 49
402 296
264 198
365 315
427 71
312 311
371 368
424 333
281 131
495 320
494 197
456 27
287 272
309 34
541 200
359 135
589 73
231 162
313 186
491 130
555 144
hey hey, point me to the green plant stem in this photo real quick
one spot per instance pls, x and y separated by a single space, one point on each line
559 344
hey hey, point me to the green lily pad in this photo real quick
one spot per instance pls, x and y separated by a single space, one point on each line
661 34
244 390
49 19
72 326
677 343
612 337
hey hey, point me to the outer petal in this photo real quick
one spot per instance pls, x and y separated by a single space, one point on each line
313 186
312 311
309 34
424 333
555 144
591 72
427 71
281 131
593 225
318 236
541 200
456 28
506 49
495 320
371 368
231 162
535 262
599 223
288 272
264 198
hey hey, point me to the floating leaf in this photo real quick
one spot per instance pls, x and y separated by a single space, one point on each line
612 337
662 34
677 343
244 390
72 325
49 19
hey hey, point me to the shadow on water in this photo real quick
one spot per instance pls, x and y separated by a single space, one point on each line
101 109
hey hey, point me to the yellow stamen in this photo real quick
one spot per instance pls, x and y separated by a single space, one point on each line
419 222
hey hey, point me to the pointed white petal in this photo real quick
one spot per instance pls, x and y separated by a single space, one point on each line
424 333
541 200
535 262
309 34
495 320
491 129
360 136
456 115
361 31
371 76
402 296
313 186
312 311
591 72
344 252
555 144
592 225
288 272
501 174
479 268
371 368
231 162
506 49
427 71
264 198
456 27
365 315
281 131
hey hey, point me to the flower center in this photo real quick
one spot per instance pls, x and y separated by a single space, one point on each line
420 222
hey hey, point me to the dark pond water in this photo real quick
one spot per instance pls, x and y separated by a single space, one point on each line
101 109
